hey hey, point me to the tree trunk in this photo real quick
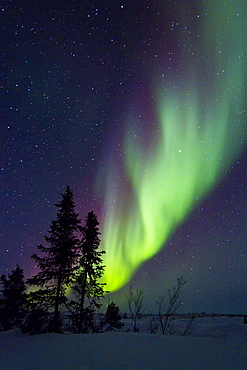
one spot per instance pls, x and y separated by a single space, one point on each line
55 327
82 302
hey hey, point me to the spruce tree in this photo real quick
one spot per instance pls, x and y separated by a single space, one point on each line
12 299
112 318
59 258
90 269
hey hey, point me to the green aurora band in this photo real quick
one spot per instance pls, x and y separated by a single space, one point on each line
202 129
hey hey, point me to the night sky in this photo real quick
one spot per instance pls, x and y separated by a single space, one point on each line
140 107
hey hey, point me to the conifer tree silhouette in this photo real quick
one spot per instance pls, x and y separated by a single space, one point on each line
12 299
90 270
57 265
112 319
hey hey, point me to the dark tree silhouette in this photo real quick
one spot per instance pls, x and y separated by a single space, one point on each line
12 299
57 265
36 321
135 299
90 269
166 313
112 318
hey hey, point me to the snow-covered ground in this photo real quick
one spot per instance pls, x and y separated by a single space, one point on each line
214 343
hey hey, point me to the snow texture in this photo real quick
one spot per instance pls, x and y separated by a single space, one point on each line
214 343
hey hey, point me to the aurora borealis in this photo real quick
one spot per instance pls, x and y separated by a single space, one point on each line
197 141
141 108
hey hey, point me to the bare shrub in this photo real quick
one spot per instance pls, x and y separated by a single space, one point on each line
166 313
134 299
152 324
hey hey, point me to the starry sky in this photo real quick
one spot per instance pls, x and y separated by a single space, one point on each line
140 107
